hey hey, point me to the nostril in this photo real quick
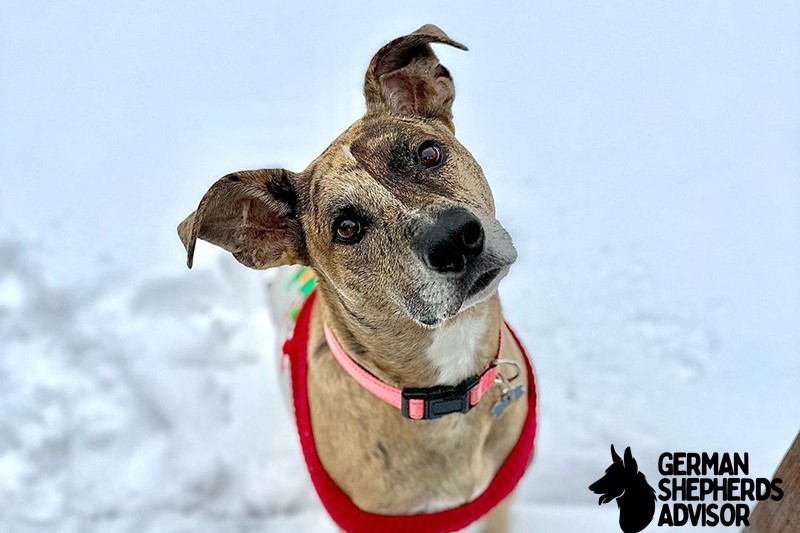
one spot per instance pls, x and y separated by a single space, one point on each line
444 258
472 237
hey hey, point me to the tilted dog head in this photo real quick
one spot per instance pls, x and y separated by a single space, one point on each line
395 215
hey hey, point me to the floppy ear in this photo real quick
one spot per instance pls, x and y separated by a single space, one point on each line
252 215
614 455
630 463
405 77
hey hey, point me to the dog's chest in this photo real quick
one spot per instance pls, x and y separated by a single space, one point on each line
407 468
454 349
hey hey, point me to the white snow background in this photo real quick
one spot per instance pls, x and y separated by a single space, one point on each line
645 156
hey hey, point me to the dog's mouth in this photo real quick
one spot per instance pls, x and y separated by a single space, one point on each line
482 282
484 286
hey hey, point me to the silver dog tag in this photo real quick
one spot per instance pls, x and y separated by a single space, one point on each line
510 396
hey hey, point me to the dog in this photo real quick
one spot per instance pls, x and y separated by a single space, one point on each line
635 497
396 222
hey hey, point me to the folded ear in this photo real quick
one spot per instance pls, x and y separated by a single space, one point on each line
252 215
405 77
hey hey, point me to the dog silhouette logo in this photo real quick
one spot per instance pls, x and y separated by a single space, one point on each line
635 497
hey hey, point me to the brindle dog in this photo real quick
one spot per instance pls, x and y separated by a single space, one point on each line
397 221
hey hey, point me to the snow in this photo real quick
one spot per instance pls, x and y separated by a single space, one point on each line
644 156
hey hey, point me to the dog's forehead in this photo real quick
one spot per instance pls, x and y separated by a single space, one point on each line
375 136
374 128
378 154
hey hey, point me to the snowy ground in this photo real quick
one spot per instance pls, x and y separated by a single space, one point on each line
645 157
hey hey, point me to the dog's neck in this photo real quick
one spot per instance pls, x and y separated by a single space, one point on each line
405 354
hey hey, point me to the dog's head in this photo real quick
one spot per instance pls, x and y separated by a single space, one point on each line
395 215
619 476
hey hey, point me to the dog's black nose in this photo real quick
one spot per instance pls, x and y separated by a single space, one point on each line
455 238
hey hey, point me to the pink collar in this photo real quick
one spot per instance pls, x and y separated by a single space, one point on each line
420 403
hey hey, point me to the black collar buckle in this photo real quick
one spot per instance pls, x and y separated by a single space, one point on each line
440 400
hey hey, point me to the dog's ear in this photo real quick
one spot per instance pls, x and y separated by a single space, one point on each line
252 215
630 463
405 77
614 456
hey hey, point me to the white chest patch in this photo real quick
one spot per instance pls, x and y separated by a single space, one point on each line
454 350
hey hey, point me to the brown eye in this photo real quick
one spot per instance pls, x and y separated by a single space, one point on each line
430 154
347 229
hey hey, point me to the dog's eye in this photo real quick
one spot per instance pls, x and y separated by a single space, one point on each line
430 154
347 229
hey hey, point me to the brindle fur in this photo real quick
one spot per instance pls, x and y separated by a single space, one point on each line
377 295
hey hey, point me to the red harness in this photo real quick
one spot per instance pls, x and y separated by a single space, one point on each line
340 507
